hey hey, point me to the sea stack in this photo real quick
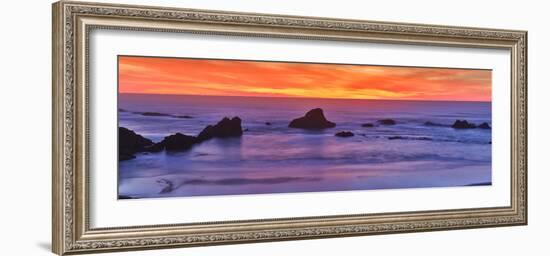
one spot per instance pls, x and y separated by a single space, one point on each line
463 124
223 129
484 126
314 119
130 143
174 142
179 142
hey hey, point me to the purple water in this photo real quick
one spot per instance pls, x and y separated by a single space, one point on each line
277 159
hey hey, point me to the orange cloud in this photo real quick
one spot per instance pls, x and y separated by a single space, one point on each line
154 75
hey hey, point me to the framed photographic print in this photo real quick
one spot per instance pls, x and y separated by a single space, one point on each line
179 127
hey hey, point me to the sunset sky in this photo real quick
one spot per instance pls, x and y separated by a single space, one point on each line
152 75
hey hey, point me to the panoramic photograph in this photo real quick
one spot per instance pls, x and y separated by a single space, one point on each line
212 127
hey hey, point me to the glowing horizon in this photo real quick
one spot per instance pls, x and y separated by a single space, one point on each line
157 75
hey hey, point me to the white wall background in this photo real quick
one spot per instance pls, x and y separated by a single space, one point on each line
25 128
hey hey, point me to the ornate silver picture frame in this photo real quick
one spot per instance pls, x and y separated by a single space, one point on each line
74 21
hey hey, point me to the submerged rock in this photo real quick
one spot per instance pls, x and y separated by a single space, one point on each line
344 134
267 123
428 123
183 116
488 183
387 121
408 138
130 143
223 129
127 197
160 114
484 126
463 124
396 138
314 119
154 114
168 186
368 125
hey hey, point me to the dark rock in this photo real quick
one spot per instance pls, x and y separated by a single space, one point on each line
162 114
122 110
154 114
344 134
386 121
488 183
395 138
367 125
184 117
123 156
484 126
463 124
175 142
130 143
223 129
314 119
128 139
178 142
157 147
267 123
126 197
424 138
408 138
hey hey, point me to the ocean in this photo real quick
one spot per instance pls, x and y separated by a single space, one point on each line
277 159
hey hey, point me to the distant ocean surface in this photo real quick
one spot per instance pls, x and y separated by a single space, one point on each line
278 159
